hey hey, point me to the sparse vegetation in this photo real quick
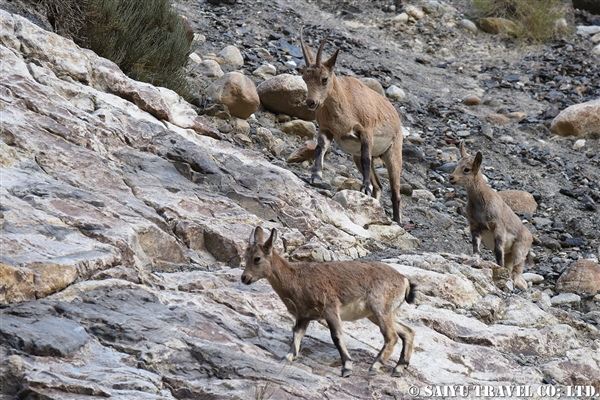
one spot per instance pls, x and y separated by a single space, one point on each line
536 20
146 38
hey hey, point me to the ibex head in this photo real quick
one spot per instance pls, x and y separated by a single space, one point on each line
258 256
467 168
317 74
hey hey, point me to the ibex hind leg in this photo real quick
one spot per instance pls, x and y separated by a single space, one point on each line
375 184
407 334
518 257
390 338
393 161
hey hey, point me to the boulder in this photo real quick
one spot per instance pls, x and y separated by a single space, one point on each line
519 200
305 152
374 84
231 55
364 210
498 25
300 128
265 71
237 92
582 120
210 68
582 276
285 94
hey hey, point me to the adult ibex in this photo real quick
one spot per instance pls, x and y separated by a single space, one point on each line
335 292
362 122
491 220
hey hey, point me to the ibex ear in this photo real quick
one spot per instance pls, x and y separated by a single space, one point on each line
268 246
331 62
463 150
257 236
477 162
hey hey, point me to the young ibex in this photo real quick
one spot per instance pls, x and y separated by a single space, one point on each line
491 220
362 122
335 292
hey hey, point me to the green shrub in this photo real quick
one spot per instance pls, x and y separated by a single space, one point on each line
146 38
535 19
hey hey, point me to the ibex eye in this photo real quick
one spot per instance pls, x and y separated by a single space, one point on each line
324 81
467 170
256 260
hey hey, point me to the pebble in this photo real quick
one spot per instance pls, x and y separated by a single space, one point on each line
564 299
472 100
265 71
467 25
533 278
541 222
498 119
401 18
414 12
395 93
518 115
422 194
447 167
588 30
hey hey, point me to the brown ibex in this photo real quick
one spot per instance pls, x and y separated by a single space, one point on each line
336 292
491 220
362 122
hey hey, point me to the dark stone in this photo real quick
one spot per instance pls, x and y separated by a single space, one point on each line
550 243
573 242
592 6
46 336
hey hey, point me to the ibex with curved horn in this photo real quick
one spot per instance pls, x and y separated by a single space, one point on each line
336 292
362 122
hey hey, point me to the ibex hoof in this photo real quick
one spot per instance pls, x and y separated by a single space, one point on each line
289 358
366 190
346 372
398 370
521 284
315 180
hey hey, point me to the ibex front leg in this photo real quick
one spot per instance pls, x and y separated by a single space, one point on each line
366 149
324 139
299 331
337 335
476 239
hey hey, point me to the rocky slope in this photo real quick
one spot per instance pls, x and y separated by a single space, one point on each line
124 218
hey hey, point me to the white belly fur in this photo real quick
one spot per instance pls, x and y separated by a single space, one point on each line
351 143
487 237
355 310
